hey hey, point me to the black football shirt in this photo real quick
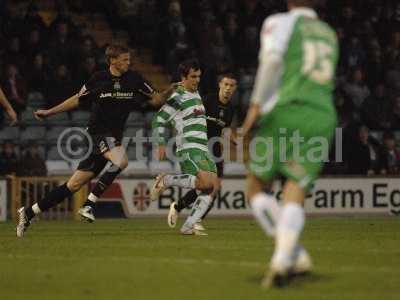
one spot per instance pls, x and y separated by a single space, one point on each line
219 115
111 99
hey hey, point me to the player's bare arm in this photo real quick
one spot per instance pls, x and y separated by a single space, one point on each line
265 83
8 108
67 105
159 98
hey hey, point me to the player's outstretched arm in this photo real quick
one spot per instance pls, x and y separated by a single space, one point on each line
158 99
8 108
67 105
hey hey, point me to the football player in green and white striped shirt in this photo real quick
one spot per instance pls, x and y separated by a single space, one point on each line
292 101
184 111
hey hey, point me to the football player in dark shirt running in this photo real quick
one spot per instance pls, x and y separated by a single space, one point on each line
112 94
219 112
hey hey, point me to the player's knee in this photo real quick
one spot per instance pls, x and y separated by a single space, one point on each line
205 181
74 186
122 164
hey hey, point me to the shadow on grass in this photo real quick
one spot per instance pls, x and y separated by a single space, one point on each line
296 281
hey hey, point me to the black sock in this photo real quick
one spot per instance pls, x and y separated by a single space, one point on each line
89 203
105 180
208 209
53 198
186 200
29 213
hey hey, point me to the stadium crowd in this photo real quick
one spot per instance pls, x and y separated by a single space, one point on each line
41 63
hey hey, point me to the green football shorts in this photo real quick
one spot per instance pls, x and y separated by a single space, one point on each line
192 161
293 141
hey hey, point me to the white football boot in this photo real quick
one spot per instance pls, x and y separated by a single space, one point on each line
199 226
23 222
86 213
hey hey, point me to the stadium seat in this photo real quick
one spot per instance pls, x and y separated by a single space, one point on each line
61 119
36 100
234 168
53 154
33 133
80 118
58 167
9 133
53 134
27 118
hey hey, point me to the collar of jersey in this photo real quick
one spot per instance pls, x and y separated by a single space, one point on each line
304 11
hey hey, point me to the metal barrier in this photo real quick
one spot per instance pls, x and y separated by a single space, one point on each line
25 191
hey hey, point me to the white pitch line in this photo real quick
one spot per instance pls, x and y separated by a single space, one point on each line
190 261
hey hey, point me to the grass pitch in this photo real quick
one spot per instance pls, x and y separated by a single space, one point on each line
144 259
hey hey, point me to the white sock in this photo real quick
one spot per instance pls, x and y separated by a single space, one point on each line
266 210
185 181
288 230
198 210
92 197
36 209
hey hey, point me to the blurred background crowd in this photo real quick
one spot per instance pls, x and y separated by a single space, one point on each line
50 48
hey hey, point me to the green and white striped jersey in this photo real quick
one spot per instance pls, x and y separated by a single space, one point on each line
185 112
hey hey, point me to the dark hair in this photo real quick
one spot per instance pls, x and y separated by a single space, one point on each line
308 3
115 50
185 66
227 75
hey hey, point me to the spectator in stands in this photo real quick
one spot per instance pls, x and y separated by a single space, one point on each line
60 87
232 35
249 53
34 20
14 87
395 116
11 24
357 89
219 52
8 159
62 45
251 13
32 162
377 109
355 53
364 156
84 73
34 43
14 53
344 108
169 29
391 155
37 75
86 48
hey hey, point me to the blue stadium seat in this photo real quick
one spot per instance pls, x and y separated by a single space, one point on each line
33 133
80 118
9 133
54 133
61 119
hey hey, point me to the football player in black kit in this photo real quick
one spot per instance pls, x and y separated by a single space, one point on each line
219 112
111 94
